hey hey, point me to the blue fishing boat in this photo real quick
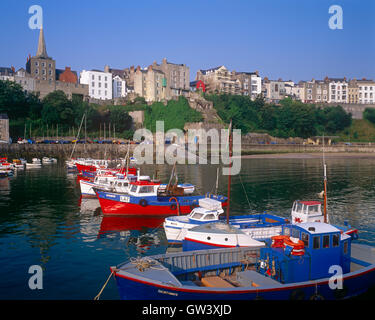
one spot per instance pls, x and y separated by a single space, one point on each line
310 260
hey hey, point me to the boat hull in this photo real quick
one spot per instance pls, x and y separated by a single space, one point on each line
131 289
117 204
139 286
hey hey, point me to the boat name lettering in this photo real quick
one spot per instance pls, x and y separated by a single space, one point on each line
124 199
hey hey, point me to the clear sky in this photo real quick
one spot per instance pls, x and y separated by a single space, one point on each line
288 39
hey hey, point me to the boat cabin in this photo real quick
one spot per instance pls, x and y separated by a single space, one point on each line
307 211
209 210
304 252
143 187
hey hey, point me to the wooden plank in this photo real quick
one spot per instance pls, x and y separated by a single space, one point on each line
216 282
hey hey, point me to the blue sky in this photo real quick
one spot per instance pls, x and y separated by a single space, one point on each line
288 39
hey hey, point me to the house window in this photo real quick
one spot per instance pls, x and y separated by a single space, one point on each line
92 77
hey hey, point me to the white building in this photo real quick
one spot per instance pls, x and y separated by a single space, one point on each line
366 91
119 87
99 82
338 90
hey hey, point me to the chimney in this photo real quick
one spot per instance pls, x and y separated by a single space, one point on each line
164 60
150 68
257 72
106 68
67 69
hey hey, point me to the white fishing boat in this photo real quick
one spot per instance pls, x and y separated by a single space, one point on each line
114 183
33 165
46 160
36 163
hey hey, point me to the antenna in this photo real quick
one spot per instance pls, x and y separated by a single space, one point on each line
325 184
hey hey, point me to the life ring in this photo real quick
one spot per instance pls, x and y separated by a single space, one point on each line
143 202
298 246
278 241
173 206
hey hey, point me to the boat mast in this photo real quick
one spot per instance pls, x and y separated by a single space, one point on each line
230 165
325 184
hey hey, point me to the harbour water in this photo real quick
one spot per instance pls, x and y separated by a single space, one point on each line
44 222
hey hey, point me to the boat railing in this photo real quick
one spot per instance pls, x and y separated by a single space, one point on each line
264 233
202 260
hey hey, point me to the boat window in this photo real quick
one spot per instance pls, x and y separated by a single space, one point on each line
209 217
125 184
299 207
316 242
305 238
295 233
119 184
134 188
314 209
287 231
346 247
326 241
146 189
197 215
335 240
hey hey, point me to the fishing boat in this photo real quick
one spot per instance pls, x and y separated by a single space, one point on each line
17 164
302 263
114 183
36 163
46 160
144 198
204 218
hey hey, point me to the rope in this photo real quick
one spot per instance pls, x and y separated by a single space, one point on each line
144 263
105 284
244 191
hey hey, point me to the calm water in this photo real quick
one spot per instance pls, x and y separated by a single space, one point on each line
44 222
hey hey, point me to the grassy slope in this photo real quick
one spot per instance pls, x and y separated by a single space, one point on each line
359 131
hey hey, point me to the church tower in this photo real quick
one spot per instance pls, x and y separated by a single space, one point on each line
41 66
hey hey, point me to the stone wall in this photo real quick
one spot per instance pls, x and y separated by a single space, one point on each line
355 109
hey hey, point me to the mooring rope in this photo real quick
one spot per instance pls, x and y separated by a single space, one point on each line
105 284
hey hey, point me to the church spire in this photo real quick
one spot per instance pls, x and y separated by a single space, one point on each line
42 51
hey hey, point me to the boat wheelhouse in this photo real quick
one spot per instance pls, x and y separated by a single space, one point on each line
307 211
